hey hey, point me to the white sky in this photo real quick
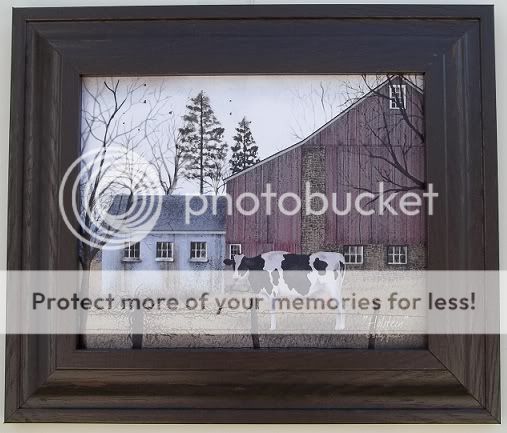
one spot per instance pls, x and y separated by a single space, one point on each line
270 102
282 109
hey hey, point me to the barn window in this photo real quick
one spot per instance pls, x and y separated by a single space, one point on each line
353 254
397 96
396 255
198 251
165 251
131 252
234 249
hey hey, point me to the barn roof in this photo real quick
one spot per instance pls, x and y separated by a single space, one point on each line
172 215
316 132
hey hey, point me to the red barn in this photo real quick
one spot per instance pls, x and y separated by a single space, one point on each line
379 138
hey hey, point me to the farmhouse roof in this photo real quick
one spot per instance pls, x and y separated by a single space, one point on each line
173 212
316 132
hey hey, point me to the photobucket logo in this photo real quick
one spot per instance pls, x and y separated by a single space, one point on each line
115 198
366 203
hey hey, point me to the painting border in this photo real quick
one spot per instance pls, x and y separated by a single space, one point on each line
456 380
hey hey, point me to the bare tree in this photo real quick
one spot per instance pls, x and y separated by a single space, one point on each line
399 136
105 125
167 156
315 106
398 139
111 139
218 173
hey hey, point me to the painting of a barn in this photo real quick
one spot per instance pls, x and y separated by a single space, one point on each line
371 143
378 139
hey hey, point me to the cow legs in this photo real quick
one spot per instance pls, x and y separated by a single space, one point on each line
272 298
340 320
254 329
340 317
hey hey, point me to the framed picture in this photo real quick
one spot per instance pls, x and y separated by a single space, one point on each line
256 145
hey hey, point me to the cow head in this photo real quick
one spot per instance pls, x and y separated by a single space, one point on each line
257 279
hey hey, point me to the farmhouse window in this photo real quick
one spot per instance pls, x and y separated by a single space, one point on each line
397 96
165 251
396 255
198 251
234 249
131 251
353 254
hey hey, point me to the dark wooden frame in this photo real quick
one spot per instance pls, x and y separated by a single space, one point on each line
455 380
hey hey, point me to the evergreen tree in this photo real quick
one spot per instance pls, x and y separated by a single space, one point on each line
244 149
201 140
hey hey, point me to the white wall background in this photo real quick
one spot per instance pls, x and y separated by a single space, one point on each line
5 49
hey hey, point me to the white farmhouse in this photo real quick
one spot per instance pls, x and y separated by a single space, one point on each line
173 244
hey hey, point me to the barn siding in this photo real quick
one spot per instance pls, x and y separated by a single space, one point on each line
347 142
260 232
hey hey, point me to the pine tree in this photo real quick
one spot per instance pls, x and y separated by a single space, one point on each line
201 140
244 150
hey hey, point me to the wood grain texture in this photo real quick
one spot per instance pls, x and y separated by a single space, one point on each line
455 380
351 136
490 166
261 416
237 389
261 232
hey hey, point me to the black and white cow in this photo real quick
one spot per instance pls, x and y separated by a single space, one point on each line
279 273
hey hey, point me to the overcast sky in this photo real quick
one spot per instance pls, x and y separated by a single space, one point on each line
282 109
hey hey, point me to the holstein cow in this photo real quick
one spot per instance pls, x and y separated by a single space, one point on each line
279 273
